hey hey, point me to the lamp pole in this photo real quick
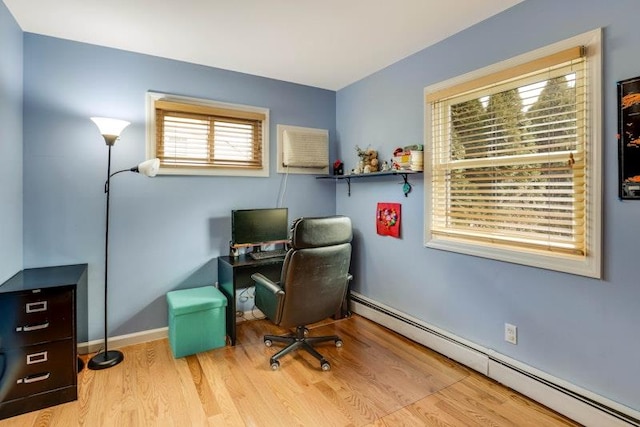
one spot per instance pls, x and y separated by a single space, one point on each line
107 358
106 252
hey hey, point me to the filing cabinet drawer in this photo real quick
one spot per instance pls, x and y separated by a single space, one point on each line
34 369
33 317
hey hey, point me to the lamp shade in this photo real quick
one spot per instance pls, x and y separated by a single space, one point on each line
110 128
149 167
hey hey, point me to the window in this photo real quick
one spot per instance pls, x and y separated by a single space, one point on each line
514 156
199 137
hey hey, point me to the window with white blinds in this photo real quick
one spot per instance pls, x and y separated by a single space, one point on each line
510 161
202 137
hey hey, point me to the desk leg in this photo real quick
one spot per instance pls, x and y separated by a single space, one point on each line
231 314
226 285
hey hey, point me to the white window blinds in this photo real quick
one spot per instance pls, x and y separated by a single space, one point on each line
198 136
509 157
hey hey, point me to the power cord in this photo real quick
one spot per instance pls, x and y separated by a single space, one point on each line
244 296
283 186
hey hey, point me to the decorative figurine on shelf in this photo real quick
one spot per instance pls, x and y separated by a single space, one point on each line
368 159
338 167
374 163
385 166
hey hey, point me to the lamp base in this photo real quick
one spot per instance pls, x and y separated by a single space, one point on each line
105 360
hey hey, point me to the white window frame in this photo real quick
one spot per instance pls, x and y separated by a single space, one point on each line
589 265
152 97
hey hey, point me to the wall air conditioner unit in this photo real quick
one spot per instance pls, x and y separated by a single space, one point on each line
303 150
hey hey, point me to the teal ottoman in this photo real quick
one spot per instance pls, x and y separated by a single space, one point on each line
196 320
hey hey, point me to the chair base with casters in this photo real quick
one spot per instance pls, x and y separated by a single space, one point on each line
300 340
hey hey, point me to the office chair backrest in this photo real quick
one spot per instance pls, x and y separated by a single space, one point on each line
316 269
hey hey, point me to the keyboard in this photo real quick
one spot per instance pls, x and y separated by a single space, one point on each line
278 253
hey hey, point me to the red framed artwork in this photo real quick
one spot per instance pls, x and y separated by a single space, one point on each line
388 219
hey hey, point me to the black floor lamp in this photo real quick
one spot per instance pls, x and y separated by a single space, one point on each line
110 130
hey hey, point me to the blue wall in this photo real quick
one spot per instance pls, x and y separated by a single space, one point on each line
10 145
578 329
165 232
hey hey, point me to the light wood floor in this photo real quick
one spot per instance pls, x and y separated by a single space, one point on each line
377 379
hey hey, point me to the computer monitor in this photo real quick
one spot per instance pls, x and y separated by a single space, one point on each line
251 227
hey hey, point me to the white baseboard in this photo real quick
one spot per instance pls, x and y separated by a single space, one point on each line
150 335
124 340
568 399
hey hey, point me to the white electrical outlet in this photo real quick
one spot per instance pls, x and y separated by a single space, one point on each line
510 333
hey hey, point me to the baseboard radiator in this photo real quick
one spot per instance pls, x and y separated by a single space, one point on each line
581 405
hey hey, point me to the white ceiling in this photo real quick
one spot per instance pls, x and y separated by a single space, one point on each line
328 44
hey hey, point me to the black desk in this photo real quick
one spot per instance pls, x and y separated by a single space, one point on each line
235 273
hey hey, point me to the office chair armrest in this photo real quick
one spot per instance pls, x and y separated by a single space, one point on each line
266 282
269 297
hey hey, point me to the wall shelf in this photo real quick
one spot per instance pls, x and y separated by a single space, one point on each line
406 187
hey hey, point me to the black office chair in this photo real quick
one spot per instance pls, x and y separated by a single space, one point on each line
312 286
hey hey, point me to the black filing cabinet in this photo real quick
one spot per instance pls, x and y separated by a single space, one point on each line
38 353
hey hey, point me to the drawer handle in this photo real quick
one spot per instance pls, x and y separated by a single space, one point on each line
34 378
35 307
37 357
32 328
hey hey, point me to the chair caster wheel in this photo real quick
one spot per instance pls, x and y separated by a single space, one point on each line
268 343
275 365
339 343
326 366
